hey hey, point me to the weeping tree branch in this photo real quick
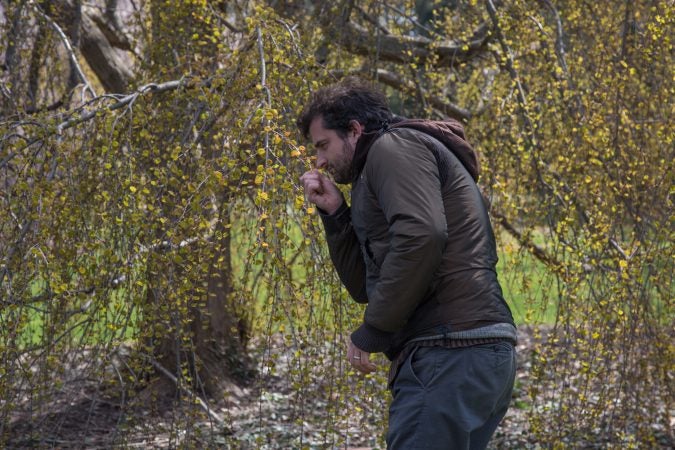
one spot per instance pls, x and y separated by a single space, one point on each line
71 121
531 131
561 55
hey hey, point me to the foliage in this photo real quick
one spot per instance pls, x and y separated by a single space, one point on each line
161 227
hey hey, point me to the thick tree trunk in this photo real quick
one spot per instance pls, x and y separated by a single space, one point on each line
112 65
215 351
197 328
220 334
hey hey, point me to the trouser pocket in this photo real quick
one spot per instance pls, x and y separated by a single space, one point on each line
422 364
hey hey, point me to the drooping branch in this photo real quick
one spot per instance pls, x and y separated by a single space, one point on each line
75 118
562 57
82 115
532 141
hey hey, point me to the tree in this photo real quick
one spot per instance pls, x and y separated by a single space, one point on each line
149 159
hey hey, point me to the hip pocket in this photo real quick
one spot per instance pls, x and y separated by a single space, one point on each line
422 364
498 353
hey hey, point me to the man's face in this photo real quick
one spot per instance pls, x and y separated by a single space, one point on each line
333 152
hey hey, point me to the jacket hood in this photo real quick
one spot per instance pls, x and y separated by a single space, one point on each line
449 132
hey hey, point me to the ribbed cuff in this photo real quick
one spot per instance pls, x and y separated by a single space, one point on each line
370 339
336 222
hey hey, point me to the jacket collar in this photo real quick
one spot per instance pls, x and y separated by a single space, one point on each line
363 145
449 131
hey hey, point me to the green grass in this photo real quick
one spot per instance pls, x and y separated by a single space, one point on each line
528 289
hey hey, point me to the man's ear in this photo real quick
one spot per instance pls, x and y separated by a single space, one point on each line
356 128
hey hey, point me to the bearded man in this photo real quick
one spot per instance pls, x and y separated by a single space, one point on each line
417 246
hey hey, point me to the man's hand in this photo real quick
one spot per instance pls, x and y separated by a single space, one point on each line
360 359
321 191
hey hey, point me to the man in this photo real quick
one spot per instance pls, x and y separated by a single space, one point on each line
417 247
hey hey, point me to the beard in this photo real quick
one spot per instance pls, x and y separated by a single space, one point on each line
341 169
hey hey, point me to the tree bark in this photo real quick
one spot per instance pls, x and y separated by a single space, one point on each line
211 342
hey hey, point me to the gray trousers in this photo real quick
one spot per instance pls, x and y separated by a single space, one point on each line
451 398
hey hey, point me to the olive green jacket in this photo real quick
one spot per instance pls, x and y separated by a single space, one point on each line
416 245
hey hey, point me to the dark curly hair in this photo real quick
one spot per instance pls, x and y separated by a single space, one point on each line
350 99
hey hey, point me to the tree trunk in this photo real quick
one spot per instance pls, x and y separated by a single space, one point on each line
212 346
197 327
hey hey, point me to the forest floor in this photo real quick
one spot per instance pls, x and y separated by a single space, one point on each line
82 414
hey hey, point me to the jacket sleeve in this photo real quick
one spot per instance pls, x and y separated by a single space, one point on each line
345 252
403 175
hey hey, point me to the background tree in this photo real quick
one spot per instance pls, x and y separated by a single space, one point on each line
152 217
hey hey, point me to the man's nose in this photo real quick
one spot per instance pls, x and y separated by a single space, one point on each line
320 162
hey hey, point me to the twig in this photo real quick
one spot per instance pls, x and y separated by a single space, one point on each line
411 19
618 248
223 20
537 251
263 82
215 416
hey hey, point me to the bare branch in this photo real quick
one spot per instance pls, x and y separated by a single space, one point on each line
404 49
450 109
212 414
368 18
124 101
526 242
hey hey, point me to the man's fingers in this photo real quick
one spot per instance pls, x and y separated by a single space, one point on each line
367 364
360 360
311 182
363 364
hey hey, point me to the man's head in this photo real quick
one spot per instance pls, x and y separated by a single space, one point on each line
336 117
340 103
